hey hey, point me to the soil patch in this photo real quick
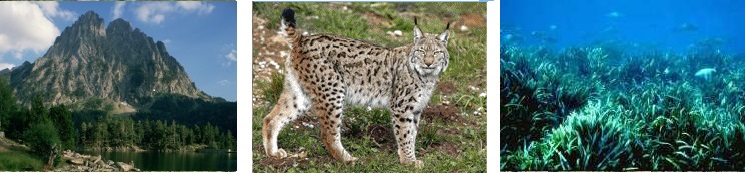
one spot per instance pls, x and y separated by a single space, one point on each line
446 147
446 88
383 136
444 113
473 19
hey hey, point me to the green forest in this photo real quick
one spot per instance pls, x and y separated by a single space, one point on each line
46 129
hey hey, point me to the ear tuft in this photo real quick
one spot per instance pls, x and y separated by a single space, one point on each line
447 27
415 21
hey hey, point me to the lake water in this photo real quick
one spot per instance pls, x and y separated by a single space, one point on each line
173 161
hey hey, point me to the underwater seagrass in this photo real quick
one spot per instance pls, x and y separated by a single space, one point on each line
650 111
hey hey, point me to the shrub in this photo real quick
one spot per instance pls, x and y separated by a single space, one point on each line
42 138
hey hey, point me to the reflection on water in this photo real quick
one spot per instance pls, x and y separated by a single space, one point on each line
173 161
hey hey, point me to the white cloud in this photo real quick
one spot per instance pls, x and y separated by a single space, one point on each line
153 12
223 82
4 66
231 57
118 9
167 41
51 9
199 7
26 26
156 12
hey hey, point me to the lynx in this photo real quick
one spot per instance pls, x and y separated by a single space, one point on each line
326 72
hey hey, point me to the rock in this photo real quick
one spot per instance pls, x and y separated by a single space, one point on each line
463 28
395 33
77 161
124 167
96 158
87 163
101 163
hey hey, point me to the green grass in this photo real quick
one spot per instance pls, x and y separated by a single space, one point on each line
16 158
19 161
443 144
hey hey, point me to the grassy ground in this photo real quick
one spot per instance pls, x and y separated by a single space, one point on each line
452 135
17 158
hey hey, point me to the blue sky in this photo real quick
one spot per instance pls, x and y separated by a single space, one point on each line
200 35
661 23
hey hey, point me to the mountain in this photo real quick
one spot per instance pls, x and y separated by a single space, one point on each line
89 61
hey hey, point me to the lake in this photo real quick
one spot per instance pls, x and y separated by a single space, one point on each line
172 161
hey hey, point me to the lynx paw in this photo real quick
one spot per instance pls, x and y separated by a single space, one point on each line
415 163
350 159
281 153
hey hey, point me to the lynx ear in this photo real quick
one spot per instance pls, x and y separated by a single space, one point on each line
444 36
417 32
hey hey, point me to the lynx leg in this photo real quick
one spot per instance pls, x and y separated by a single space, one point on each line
327 92
405 128
289 106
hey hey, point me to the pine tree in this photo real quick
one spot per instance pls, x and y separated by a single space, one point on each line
62 119
8 105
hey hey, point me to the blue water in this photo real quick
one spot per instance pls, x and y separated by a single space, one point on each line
666 25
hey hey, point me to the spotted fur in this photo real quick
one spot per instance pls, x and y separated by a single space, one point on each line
326 72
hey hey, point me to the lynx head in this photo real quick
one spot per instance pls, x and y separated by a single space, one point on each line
429 55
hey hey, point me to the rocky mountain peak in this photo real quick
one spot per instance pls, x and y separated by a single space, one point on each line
89 22
119 25
90 61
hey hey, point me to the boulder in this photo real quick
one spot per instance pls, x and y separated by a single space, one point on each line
77 161
87 163
99 162
124 167
95 159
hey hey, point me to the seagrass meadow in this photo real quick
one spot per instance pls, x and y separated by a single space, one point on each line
603 108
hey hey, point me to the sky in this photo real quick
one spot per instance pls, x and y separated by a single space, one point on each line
200 35
665 24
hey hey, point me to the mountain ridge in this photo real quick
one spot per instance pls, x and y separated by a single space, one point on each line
91 60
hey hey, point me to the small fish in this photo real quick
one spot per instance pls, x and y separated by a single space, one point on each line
614 14
687 27
705 73
553 27
512 37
